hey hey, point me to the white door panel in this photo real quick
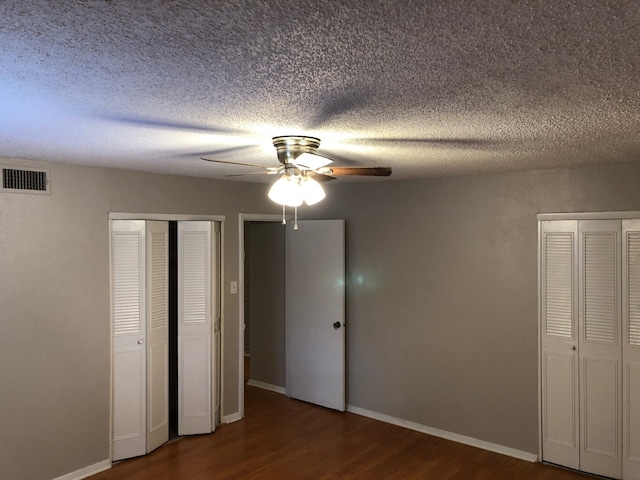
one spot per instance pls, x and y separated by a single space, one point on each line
560 397
157 264
631 348
560 406
129 332
599 348
195 287
315 299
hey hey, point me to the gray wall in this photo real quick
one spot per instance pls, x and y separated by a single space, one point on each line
441 302
442 292
55 317
267 302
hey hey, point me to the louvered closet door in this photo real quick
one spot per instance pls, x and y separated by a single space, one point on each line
600 352
559 307
157 334
195 287
129 355
631 348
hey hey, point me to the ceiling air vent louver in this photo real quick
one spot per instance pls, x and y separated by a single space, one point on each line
25 180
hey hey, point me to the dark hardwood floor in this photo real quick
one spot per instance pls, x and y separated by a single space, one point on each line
281 438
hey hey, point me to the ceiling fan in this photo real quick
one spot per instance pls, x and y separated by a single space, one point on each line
301 168
297 156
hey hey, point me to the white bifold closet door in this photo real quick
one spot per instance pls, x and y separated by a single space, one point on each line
129 332
197 379
599 347
157 334
140 336
631 348
559 338
590 339
139 251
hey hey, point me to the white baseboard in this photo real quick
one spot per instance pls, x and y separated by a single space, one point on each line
474 442
267 386
234 417
87 471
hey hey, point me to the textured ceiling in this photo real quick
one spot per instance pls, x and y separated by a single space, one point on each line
428 88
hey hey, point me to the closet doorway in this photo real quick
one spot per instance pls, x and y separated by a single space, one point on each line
165 281
590 342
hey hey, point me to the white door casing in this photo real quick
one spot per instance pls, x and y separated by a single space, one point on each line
157 265
599 346
195 287
559 336
129 329
631 348
315 304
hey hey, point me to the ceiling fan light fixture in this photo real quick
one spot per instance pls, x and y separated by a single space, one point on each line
293 190
286 191
312 191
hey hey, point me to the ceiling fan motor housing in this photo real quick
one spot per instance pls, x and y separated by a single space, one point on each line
290 147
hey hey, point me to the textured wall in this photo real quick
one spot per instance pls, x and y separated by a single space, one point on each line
442 292
55 320
442 298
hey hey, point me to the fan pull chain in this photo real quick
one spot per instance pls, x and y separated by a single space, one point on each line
284 218
295 216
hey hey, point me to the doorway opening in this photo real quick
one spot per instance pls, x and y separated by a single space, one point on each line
306 283
173 330
264 305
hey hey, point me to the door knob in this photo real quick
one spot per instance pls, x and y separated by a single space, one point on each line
140 342
336 325
573 347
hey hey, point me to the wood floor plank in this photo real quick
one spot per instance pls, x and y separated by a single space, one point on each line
281 438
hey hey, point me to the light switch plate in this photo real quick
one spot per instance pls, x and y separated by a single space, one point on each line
234 287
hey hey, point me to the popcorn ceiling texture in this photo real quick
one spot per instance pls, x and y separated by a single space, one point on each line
428 88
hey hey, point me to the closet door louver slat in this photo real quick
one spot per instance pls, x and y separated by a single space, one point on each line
600 293
558 284
127 285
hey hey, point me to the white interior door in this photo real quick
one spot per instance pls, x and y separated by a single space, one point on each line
559 338
195 287
315 303
599 347
631 348
129 353
157 265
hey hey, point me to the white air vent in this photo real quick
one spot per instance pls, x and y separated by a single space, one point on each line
25 180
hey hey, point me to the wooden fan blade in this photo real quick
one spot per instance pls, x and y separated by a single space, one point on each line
234 163
365 171
321 177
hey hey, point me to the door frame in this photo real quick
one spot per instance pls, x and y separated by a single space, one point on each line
168 218
242 218
540 217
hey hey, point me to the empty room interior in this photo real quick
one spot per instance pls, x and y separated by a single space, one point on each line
423 214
